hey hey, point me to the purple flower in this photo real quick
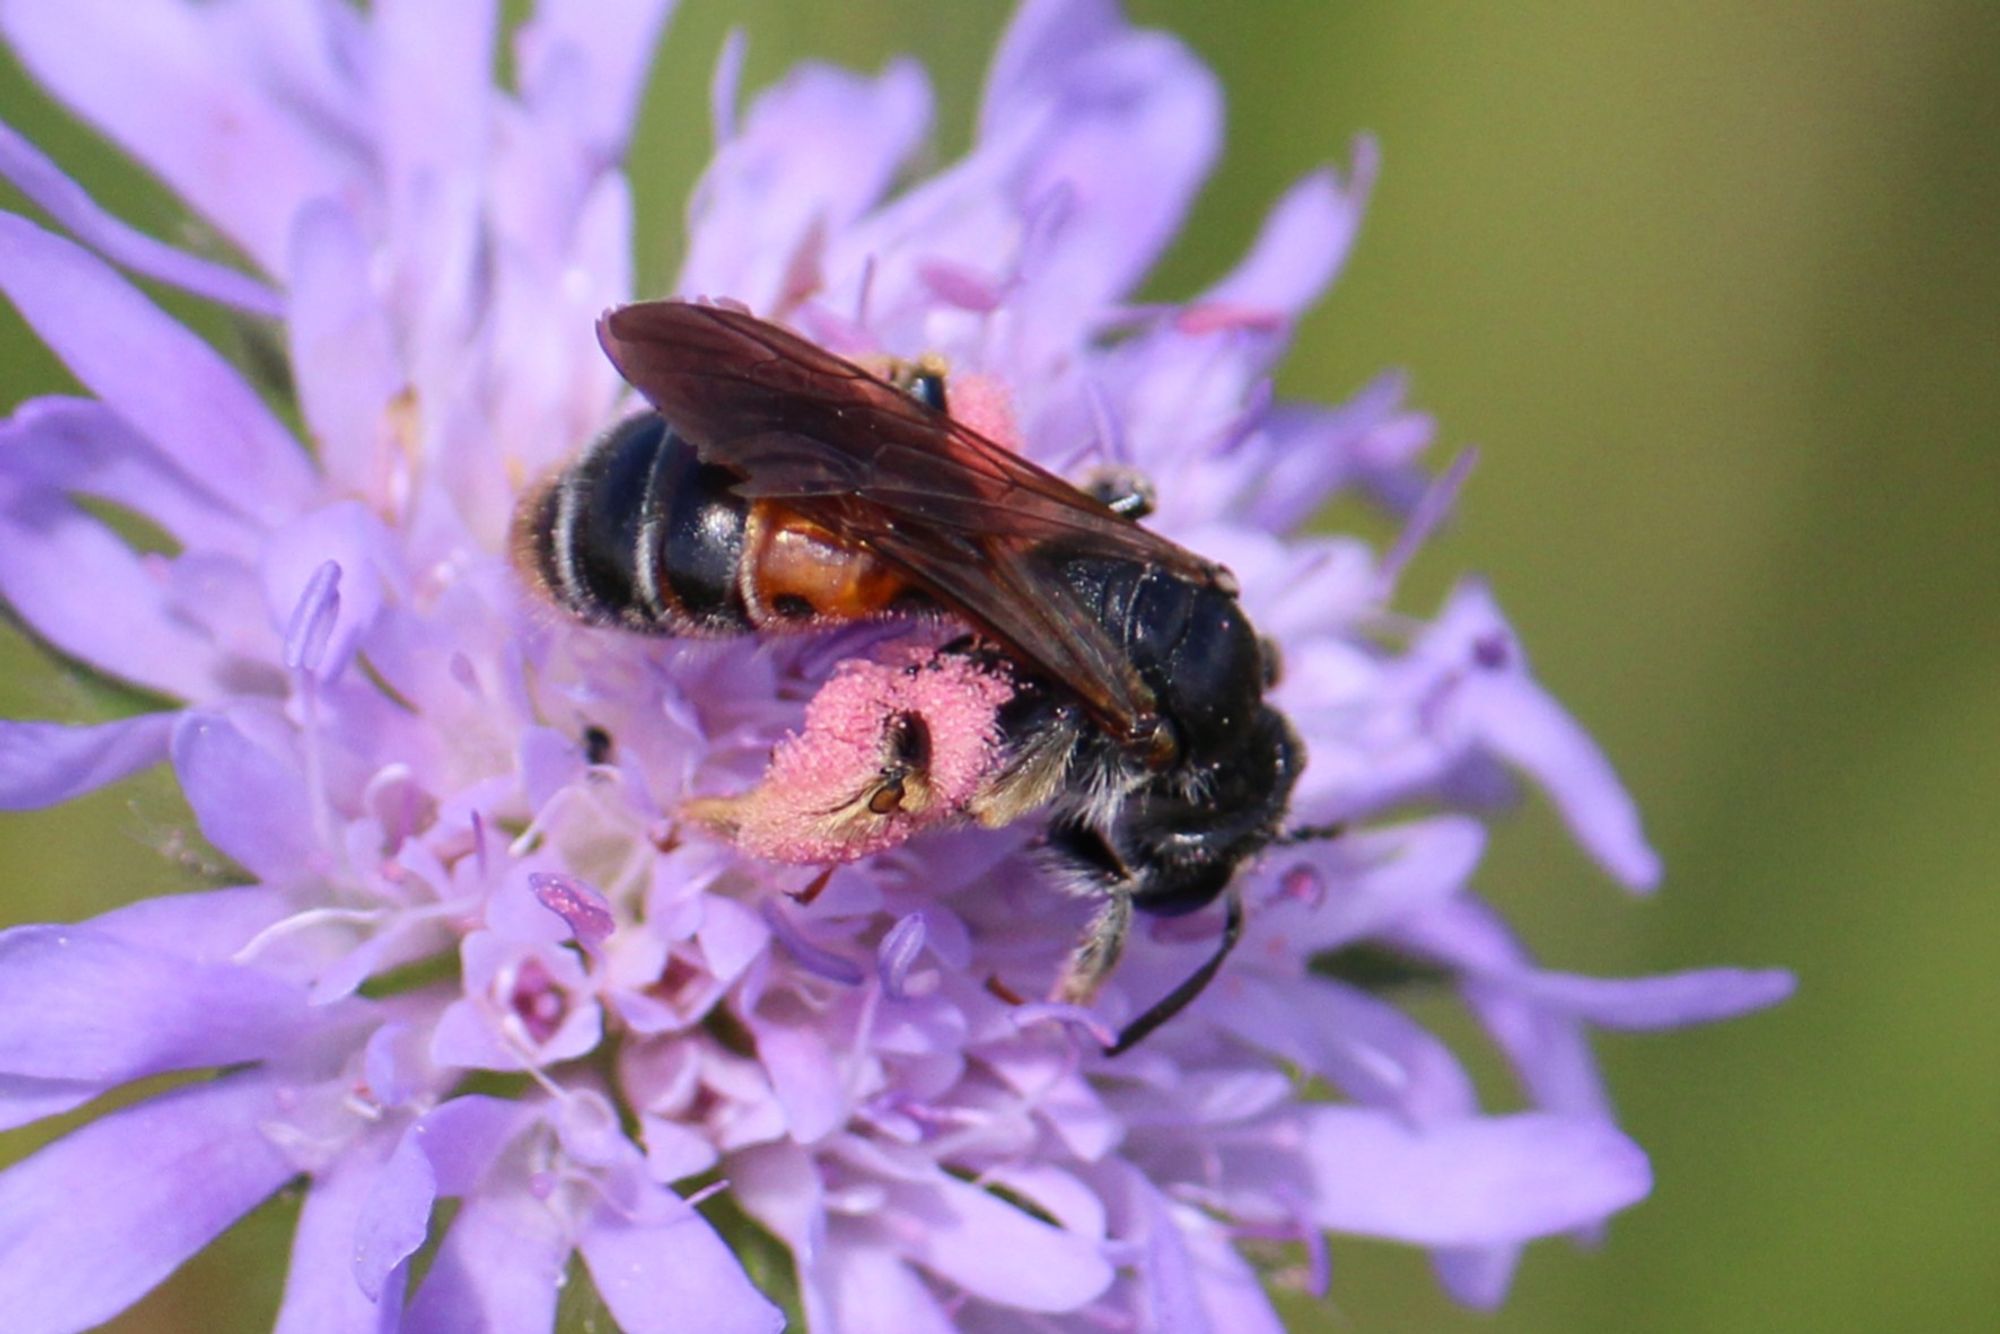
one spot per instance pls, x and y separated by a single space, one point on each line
457 815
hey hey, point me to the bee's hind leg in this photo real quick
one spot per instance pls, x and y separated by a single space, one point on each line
1096 953
1096 869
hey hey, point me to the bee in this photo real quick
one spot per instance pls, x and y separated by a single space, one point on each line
777 486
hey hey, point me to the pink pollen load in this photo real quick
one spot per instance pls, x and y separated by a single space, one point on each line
813 803
981 404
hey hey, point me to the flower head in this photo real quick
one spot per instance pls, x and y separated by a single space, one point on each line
480 953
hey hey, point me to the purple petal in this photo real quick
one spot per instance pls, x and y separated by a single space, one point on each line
79 445
1232 1297
590 1132
190 401
867 1280
654 1273
674 1152
1548 1049
395 1066
233 106
127 626
1478 1278
1092 141
1169 1295
1303 242
994 1250
731 936
208 926
76 1003
806 1077
1670 1000
1523 724
321 1294
1476 1182
343 356
92 1222
1366 1047
815 152
611 44
499 1269
1310 452
43 764
1191 1277
31 172
249 799
394 1219
1383 875
463 1137
435 89
26 1101
1135 123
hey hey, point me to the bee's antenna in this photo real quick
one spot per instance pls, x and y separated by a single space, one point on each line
1177 1000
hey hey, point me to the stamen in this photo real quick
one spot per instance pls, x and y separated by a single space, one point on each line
1206 317
313 618
479 845
1430 511
1108 430
957 285
863 291
1255 405
898 952
535 1001
819 962
306 637
587 912
1035 1013
299 922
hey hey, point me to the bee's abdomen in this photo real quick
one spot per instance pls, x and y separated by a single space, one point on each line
640 533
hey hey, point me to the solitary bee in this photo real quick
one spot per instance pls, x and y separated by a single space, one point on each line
776 486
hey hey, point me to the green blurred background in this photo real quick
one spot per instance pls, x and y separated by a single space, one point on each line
1714 286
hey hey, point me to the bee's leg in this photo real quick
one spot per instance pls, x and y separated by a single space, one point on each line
1096 954
1177 1000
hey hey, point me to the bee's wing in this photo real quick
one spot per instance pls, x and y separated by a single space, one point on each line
965 518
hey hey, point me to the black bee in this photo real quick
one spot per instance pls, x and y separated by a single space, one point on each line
778 486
